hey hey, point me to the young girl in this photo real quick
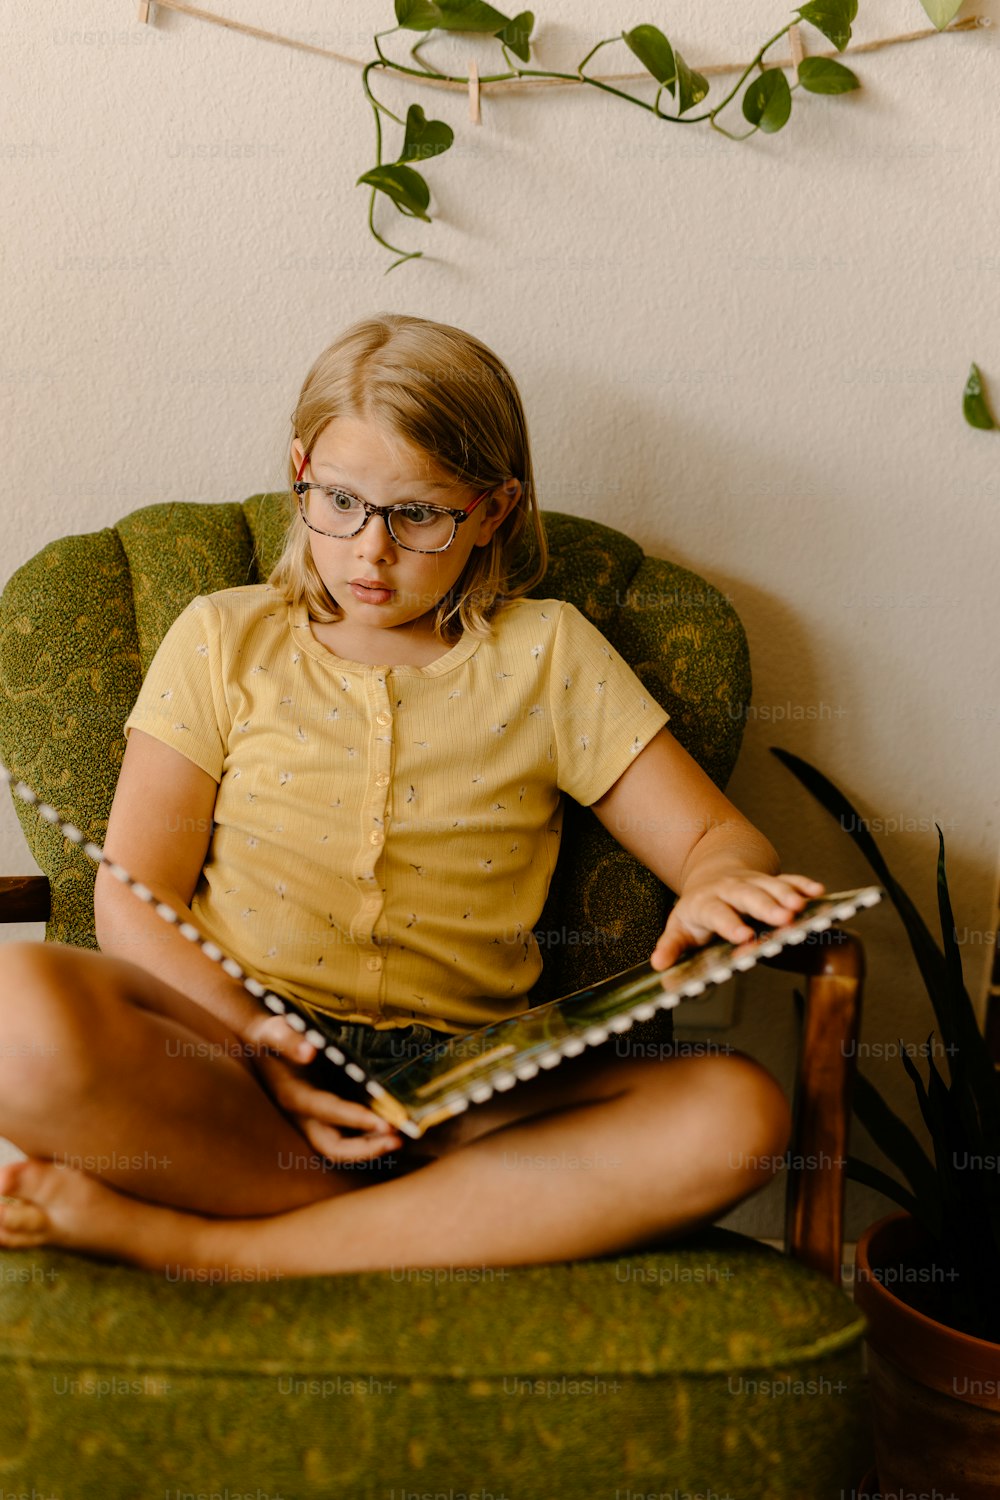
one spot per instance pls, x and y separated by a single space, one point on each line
350 778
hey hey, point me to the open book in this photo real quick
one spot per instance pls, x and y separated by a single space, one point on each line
462 1070
459 1071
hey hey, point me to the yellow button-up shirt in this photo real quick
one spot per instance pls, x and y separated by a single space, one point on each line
384 837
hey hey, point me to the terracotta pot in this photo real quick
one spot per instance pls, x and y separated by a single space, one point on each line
935 1393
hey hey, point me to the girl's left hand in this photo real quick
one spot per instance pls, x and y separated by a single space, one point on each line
714 907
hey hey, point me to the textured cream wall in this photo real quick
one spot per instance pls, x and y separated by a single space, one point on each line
750 357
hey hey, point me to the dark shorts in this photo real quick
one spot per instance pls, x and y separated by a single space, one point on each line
380 1051
385 1049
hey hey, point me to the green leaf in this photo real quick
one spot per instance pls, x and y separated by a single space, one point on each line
953 1130
928 1108
952 952
897 1141
930 959
404 186
654 52
942 11
423 137
691 86
452 15
417 15
767 103
470 15
980 1090
822 75
974 404
517 35
873 1177
832 17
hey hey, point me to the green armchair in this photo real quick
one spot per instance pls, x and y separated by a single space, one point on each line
712 1366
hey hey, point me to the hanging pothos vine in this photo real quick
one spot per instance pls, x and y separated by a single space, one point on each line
766 103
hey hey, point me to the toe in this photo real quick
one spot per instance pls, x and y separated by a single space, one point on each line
20 1217
23 1221
22 1224
8 1178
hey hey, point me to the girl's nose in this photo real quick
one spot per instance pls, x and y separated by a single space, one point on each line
375 542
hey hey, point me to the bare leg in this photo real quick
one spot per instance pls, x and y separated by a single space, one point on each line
148 1090
599 1156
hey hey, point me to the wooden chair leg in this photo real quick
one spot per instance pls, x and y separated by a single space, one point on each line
833 961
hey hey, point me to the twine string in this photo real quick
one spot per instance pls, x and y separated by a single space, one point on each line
709 70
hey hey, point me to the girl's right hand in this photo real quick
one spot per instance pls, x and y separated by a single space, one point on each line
278 1055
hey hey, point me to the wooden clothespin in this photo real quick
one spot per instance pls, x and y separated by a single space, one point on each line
474 115
144 10
798 51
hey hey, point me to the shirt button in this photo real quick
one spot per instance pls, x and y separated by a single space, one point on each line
383 718
382 779
375 837
374 964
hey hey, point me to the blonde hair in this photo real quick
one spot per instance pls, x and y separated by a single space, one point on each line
446 393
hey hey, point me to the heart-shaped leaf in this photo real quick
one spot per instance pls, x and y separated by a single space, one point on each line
404 186
654 52
424 137
832 17
417 15
767 103
470 15
942 11
517 35
691 86
974 404
822 75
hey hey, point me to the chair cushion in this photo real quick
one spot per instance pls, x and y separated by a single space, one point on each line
712 1366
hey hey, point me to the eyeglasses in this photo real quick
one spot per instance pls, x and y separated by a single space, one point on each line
417 527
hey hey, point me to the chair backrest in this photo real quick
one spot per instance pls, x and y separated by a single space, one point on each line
81 621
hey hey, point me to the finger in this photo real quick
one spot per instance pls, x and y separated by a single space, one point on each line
764 898
319 1104
666 953
806 884
275 1033
336 1147
295 1096
717 917
787 890
675 941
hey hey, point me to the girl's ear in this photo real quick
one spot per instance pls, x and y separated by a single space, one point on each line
510 489
497 508
298 454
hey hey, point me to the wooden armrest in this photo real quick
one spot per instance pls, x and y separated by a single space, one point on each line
834 963
25 898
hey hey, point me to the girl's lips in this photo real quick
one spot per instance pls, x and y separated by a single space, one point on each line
370 592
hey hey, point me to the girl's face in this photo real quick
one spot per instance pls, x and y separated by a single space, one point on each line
377 584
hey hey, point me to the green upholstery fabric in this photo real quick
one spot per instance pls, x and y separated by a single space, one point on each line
80 623
714 1368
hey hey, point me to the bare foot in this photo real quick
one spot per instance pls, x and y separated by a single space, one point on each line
43 1203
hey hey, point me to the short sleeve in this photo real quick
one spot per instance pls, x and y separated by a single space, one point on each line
602 715
182 701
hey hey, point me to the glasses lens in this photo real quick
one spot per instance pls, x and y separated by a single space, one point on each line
334 511
420 527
